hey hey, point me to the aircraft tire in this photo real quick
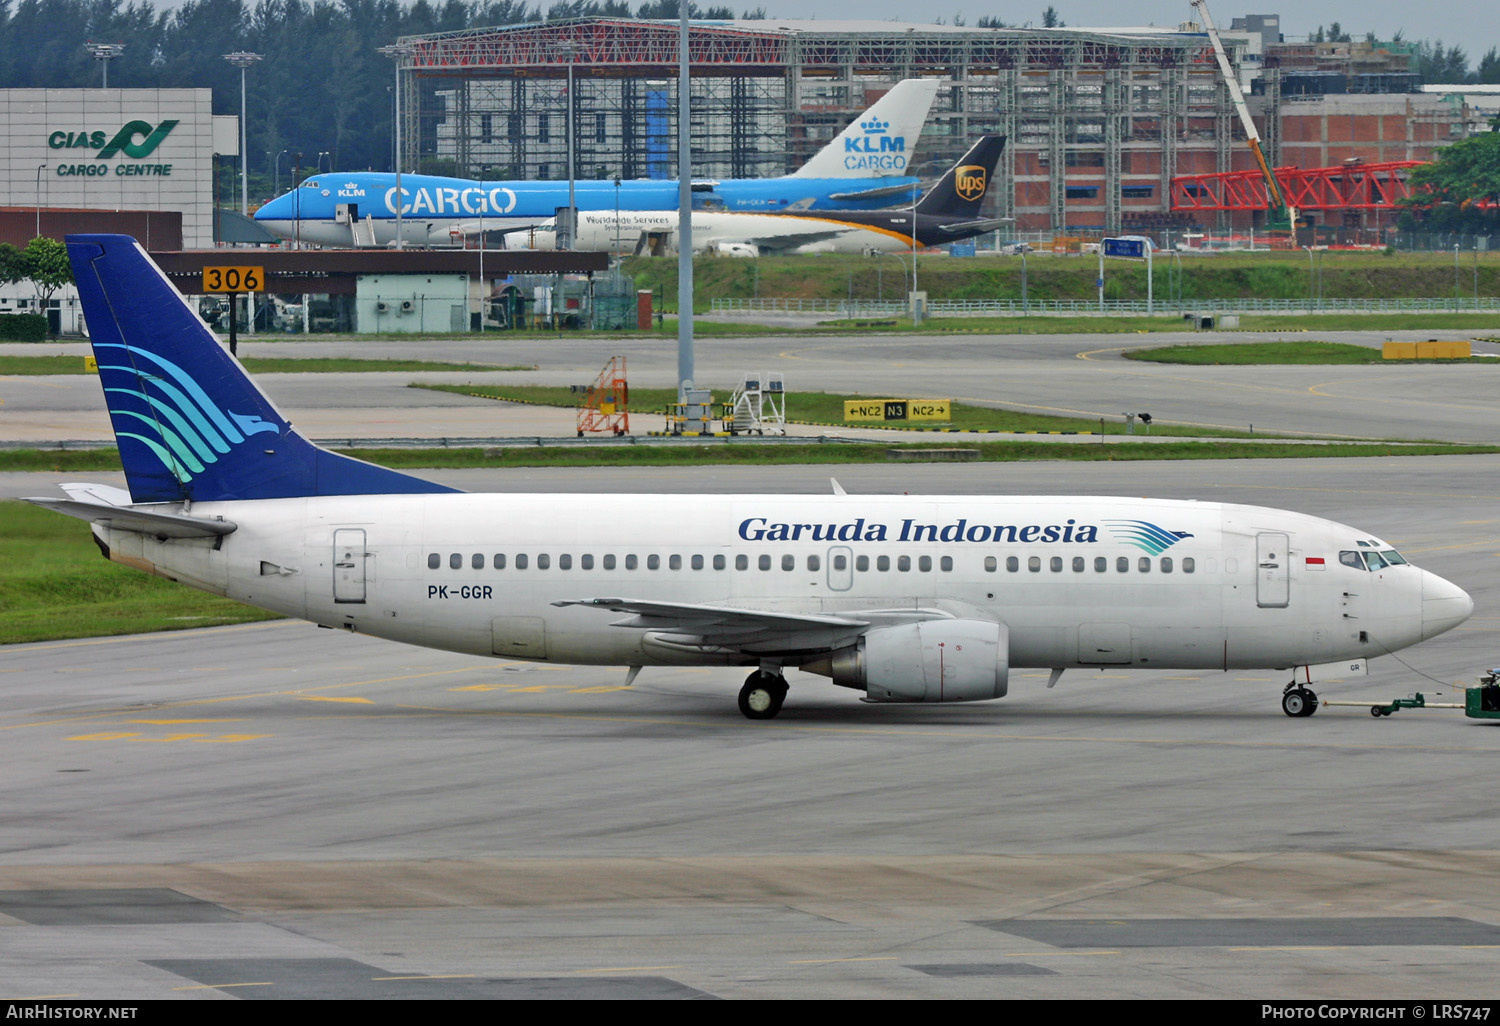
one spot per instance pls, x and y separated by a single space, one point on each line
1299 702
762 695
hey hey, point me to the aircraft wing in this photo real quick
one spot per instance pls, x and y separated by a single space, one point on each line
468 229
975 227
161 525
688 625
880 192
792 241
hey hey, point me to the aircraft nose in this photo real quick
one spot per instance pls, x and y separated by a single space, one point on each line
1444 605
277 209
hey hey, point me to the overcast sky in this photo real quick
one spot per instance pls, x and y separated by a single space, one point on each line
1472 24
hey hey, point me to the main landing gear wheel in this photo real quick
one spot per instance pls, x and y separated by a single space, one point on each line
1299 702
762 695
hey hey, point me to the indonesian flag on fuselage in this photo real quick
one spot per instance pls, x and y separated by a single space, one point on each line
1316 563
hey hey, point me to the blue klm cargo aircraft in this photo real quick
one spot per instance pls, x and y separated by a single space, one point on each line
862 169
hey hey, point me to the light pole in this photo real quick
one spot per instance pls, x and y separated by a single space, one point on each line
104 53
570 48
276 188
398 52
484 290
321 155
1025 297
39 169
243 59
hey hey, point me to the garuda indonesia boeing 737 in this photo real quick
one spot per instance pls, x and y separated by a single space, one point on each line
864 167
903 598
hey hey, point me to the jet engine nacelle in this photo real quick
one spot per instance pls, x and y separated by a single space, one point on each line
928 661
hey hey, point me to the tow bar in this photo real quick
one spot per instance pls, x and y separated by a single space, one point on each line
1481 703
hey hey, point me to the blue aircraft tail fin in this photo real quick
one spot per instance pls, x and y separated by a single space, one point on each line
189 422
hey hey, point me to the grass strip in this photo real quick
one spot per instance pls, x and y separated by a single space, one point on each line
811 452
828 409
1262 353
54 584
28 365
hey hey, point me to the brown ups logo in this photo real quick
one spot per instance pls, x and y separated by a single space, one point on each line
969 181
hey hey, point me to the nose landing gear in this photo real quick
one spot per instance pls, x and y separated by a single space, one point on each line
1298 701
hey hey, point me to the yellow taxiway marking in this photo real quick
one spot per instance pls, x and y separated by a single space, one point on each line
830 961
1054 954
111 713
331 698
171 723
448 976
224 986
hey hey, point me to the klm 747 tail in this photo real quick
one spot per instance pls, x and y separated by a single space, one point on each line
901 598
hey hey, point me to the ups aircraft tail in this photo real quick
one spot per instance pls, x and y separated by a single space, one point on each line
961 191
189 422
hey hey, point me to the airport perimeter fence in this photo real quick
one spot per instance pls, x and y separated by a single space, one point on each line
853 310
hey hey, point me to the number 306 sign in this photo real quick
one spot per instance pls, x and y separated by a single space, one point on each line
233 279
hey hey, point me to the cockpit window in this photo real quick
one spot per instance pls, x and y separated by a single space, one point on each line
1374 562
1351 558
1393 557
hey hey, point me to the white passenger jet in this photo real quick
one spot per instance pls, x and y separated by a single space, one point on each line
903 598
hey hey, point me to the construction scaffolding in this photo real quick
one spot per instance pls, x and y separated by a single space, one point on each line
1099 123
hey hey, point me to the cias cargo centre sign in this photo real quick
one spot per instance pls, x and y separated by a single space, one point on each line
138 140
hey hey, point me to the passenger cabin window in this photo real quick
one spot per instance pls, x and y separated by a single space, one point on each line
455 560
720 562
543 561
903 564
742 562
815 564
946 564
1078 564
565 562
434 561
499 561
1144 564
1034 564
520 561
882 563
586 561
839 562
1101 564
788 562
1012 564
631 562
653 562
1189 564
477 561
991 564
697 562
764 562
1056 563
924 564
862 564
674 562
1122 564
609 561
1166 564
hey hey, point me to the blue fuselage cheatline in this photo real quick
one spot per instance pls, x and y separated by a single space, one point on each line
439 210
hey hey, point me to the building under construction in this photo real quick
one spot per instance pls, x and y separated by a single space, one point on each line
1099 121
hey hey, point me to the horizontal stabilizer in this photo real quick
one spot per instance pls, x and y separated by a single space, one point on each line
123 518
